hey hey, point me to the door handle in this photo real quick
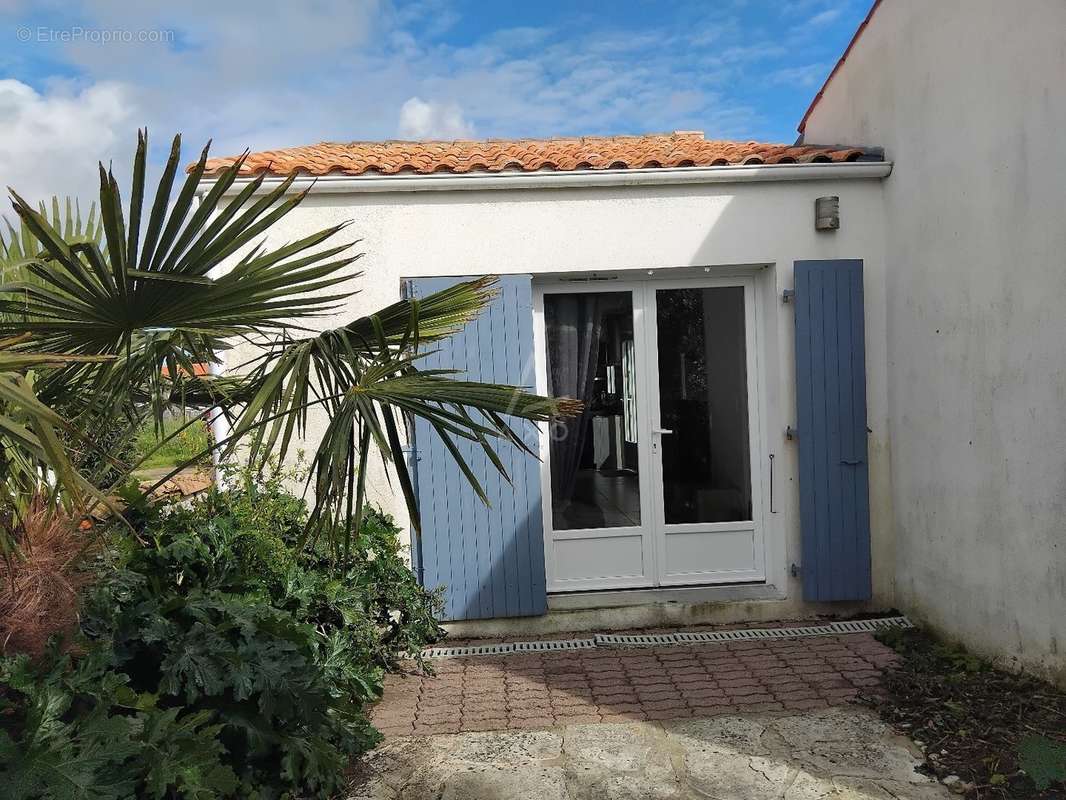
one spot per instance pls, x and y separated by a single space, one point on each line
849 463
661 431
772 509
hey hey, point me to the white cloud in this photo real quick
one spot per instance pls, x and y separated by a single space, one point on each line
374 69
809 76
50 142
824 17
422 120
341 70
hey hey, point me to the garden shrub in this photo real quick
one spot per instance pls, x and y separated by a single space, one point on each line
216 626
76 730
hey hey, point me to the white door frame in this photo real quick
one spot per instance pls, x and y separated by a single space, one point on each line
645 530
755 525
653 531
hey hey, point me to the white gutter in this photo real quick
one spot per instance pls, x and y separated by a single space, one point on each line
658 176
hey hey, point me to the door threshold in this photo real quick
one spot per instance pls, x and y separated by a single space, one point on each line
620 598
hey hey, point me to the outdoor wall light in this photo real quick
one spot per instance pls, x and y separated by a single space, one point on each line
827 213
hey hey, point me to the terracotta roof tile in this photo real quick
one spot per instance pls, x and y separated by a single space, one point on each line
679 149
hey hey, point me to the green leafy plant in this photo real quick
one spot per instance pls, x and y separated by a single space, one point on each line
286 720
1043 759
76 731
215 611
216 660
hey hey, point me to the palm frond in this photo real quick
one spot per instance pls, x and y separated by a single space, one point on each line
33 461
153 302
116 315
365 378
19 244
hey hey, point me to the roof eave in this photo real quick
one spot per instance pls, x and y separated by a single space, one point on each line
749 173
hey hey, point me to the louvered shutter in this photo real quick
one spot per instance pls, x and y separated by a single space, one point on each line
490 560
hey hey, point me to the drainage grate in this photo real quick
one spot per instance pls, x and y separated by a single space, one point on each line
669 639
553 644
474 650
622 640
754 633
870 625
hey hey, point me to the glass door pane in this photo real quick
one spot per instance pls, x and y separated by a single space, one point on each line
703 402
593 457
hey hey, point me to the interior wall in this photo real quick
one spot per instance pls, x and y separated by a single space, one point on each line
968 99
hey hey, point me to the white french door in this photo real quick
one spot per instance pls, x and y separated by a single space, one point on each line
657 483
702 401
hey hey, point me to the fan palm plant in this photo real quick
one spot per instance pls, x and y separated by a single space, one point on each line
33 462
182 284
27 437
19 245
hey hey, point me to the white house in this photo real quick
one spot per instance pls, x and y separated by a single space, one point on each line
819 378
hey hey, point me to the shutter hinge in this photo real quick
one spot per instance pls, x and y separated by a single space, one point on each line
787 295
791 433
794 570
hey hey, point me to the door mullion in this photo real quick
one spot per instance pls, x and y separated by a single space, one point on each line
755 422
655 542
641 326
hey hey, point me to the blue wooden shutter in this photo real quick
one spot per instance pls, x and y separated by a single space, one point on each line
490 560
831 420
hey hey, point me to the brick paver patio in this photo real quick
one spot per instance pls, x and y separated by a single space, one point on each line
543 690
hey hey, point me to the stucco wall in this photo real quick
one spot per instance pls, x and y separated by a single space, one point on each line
639 228
968 98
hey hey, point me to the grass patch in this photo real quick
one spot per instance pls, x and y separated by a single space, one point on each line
1003 734
186 445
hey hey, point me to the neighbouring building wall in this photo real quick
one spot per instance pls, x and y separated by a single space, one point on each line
661 228
969 100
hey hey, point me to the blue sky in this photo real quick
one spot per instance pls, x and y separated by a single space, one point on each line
78 78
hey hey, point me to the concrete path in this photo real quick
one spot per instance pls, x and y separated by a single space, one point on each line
841 753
